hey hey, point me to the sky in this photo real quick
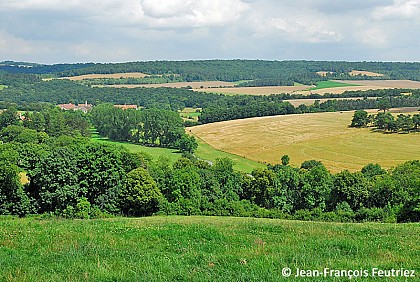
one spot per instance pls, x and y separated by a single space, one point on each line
69 31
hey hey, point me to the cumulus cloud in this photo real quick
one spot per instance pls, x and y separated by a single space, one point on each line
106 30
400 9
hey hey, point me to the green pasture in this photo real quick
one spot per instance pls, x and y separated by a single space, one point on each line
197 248
204 152
330 84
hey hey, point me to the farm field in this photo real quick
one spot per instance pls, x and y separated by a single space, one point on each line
112 75
331 84
367 73
385 83
333 87
194 85
266 90
309 102
198 248
322 136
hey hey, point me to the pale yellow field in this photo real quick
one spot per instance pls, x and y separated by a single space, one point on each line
321 136
362 85
214 85
113 75
367 73
309 102
267 90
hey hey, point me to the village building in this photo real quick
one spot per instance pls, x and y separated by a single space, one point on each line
80 107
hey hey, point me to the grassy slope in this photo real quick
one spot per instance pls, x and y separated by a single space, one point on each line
204 152
197 248
207 152
322 136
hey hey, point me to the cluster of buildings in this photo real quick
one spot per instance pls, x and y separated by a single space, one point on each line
87 107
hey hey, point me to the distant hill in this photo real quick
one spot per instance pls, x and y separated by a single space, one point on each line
303 72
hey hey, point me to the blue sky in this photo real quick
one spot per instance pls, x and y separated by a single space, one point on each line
58 31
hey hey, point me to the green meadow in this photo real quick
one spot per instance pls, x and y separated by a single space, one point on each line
330 84
204 152
197 248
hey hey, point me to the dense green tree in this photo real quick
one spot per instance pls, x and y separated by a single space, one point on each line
384 104
140 195
285 160
13 198
352 188
360 119
264 187
9 117
310 164
188 144
315 187
372 170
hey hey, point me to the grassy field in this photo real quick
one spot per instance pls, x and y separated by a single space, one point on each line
2 86
204 152
331 84
207 152
198 248
321 136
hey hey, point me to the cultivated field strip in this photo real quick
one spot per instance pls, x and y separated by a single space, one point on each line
321 136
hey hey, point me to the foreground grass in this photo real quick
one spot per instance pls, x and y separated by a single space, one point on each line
197 248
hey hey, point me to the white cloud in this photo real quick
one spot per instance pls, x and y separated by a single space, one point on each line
401 9
75 30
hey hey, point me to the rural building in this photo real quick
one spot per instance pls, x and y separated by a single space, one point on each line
80 107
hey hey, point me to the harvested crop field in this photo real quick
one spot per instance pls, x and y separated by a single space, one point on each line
195 85
367 73
112 75
359 85
385 83
267 90
321 136
309 102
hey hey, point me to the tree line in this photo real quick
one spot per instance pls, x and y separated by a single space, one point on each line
153 127
386 122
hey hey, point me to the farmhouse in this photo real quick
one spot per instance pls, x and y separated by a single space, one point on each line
80 107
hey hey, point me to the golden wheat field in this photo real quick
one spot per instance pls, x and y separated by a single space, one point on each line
266 90
367 73
195 85
112 75
360 85
321 136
